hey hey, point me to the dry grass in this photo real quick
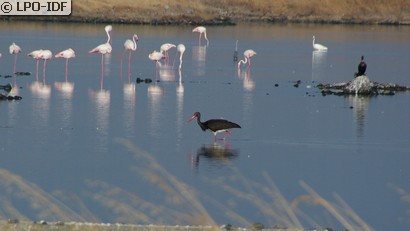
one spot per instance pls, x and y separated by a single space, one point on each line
146 11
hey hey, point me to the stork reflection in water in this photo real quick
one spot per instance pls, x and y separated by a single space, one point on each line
215 154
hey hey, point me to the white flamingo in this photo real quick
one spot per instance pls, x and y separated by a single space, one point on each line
67 54
130 46
45 55
248 54
201 30
181 50
165 48
156 56
317 46
104 48
14 50
36 55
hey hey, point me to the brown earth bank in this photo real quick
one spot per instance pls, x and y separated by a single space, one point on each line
229 12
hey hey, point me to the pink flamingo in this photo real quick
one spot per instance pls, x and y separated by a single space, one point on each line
247 58
201 30
14 50
67 54
156 56
181 50
36 55
45 55
165 48
104 48
129 46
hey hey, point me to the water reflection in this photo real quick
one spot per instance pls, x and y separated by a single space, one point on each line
40 89
180 106
360 105
199 58
67 88
166 72
215 155
41 109
107 66
129 106
319 59
155 93
12 111
101 98
248 83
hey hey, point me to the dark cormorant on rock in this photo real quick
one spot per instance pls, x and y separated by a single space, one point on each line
362 67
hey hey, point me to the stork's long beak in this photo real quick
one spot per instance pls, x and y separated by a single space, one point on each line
192 118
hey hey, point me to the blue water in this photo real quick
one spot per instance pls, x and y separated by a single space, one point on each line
105 149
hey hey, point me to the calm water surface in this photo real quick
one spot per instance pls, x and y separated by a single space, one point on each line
105 149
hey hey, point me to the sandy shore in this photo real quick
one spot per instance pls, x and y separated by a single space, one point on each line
223 12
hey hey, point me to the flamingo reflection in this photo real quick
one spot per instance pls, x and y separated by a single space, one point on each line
166 73
180 105
248 83
199 58
215 155
40 89
155 93
180 87
102 99
65 87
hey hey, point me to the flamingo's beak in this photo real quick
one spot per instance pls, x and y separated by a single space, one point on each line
192 118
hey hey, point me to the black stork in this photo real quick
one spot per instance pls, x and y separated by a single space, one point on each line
362 67
215 125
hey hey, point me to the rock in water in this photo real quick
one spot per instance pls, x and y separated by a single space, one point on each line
360 85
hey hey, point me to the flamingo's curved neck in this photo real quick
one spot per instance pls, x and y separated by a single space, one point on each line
108 37
134 47
180 60
180 56
207 41
245 60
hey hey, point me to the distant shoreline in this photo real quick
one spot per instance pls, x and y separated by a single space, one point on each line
232 12
209 22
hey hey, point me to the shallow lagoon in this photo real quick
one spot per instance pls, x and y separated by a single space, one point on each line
109 150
